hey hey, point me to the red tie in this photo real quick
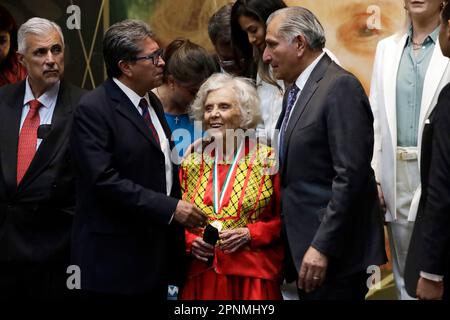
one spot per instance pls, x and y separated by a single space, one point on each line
28 139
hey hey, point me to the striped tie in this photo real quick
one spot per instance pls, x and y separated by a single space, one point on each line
148 120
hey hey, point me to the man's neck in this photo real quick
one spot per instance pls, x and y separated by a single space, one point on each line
130 84
306 61
37 89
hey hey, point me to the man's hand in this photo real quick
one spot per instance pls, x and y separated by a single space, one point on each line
233 239
429 290
189 215
382 203
202 250
381 198
313 270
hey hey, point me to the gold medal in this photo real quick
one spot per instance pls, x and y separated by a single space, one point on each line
217 224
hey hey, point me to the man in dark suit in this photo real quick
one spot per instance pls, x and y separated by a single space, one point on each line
128 235
330 210
37 181
428 261
427 269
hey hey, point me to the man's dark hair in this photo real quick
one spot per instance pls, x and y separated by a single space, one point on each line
219 28
121 43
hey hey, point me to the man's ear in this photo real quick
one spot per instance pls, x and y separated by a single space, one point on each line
300 44
125 67
448 29
20 58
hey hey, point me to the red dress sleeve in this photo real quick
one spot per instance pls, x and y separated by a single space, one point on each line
268 228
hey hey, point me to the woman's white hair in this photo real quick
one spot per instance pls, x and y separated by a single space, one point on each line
36 26
245 92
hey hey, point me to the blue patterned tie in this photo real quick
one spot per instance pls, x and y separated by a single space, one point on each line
292 95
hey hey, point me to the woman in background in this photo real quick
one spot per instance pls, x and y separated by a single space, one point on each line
248 32
187 66
11 71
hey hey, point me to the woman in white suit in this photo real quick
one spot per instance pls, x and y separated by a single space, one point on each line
409 72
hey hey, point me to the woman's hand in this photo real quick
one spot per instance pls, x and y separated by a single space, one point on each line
233 239
202 250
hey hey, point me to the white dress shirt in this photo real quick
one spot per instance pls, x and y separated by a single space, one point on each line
301 81
303 78
48 102
164 142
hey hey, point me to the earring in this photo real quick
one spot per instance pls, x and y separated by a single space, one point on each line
441 6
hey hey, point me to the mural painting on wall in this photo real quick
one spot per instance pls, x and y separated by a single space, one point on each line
353 27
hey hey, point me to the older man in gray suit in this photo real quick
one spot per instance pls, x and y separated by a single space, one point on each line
330 208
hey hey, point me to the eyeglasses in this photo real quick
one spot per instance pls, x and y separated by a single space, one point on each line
227 63
154 56
230 63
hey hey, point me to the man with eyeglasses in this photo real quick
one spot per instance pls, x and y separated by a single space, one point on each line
128 236
228 58
37 179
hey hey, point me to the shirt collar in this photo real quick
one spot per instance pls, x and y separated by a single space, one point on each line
304 76
433 36
133 96
46 99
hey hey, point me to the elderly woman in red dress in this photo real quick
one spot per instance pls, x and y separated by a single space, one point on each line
234 181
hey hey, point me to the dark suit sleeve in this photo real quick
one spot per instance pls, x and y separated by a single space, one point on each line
436 224
92 146
349 124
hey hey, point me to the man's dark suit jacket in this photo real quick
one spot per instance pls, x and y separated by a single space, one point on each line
329 195
429 249
122 239
36 216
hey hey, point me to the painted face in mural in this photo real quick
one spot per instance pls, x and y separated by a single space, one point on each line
354 27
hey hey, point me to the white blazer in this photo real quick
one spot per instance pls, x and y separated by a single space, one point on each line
383 102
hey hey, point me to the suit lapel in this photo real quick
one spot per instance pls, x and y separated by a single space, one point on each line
10 115
305 95
125 107
436 68
394 55
60 127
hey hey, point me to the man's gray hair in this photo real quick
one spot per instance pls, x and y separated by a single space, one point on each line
299 20
36 26
122 42
245 92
